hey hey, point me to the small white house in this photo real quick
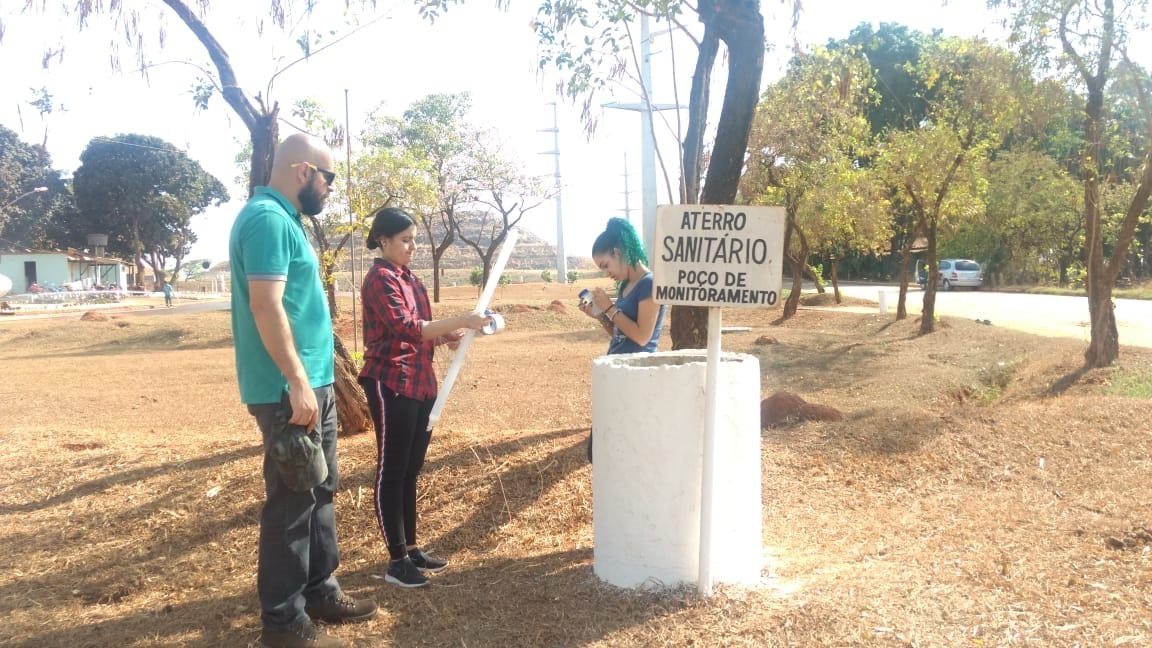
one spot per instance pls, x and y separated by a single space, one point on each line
53 269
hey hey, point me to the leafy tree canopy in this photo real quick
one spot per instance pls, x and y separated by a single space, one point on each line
30 218
893 52
143 193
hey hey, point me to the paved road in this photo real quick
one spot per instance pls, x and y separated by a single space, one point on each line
128 309
1053 315
182 308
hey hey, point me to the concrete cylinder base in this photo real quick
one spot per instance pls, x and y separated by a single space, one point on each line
648 424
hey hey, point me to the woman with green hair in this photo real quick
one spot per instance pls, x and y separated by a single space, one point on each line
634 320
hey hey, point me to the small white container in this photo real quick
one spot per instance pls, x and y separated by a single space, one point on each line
586 298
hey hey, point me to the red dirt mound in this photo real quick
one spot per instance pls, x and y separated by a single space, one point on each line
783 408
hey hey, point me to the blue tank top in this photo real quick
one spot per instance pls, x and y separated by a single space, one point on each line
630 305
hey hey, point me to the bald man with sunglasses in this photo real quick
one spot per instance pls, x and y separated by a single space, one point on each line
282 332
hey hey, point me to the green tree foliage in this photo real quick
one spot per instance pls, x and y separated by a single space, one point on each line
937 169
390 177
504 194
143 192
434 134
1087 40
893 52
195 269
1032 230
901 103
29 218
452 175
808 129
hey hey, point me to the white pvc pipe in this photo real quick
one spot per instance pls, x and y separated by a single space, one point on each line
708 467
466 341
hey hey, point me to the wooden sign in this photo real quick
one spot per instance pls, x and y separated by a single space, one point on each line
718 255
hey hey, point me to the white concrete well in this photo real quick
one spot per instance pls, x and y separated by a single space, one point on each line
648 424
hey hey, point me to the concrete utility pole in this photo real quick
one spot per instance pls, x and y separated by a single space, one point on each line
561 259
647 138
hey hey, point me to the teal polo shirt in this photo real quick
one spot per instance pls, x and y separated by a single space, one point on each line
268 243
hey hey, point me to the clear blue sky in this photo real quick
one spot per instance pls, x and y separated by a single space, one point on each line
473 48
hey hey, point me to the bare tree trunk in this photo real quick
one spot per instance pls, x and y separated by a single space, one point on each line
798 263
265 133
351 404
741 26
689 327
697 114
792 304
485 267
835 261
438 254
928 313
902 302
1104 346
435 277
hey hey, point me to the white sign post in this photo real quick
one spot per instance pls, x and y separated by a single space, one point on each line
716 256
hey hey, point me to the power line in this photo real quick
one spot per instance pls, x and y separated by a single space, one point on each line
172 147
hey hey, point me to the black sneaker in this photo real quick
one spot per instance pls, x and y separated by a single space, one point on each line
304 635
341 609
405 574
426 562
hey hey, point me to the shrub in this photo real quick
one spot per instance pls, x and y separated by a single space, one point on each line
1077 275
994 380
546 276
573 276
476 276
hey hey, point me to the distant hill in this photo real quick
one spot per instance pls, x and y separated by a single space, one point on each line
531 253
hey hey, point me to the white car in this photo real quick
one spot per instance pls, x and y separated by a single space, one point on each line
956 273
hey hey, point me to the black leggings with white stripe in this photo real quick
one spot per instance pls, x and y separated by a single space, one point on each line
401 442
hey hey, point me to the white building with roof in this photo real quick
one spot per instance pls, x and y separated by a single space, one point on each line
52 270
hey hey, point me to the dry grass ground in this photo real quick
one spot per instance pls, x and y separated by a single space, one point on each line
979 492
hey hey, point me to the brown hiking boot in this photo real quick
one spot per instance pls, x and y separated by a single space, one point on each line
341 609
305 635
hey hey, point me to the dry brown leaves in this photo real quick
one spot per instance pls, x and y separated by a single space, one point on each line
932 515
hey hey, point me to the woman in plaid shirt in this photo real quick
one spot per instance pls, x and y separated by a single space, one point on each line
400 382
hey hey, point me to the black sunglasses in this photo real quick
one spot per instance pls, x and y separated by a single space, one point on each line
329 176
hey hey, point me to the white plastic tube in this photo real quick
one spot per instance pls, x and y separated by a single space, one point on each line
466 341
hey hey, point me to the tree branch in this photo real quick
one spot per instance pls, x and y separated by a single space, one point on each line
230 86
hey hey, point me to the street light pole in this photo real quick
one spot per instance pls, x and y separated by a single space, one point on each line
647 138
24 195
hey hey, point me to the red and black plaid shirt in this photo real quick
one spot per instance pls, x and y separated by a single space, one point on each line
395 307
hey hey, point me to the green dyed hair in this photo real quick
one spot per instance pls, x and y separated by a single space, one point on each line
620 234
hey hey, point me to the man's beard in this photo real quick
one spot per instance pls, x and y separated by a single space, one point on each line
311 200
